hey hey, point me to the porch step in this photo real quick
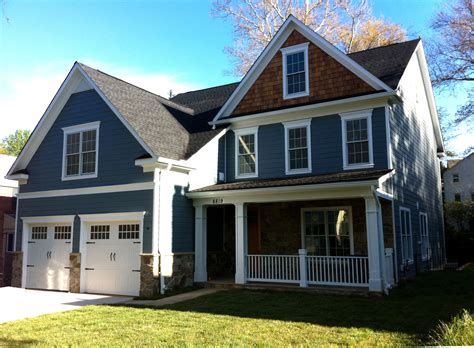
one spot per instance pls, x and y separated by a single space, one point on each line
324 290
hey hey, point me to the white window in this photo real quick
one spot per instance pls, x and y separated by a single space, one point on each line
425 243
327 231
246 152
357 139
406 234
295 71
80 151
298 147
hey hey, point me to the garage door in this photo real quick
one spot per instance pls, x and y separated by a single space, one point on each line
47 263
112 258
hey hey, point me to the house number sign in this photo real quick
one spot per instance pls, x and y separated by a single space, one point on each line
217 200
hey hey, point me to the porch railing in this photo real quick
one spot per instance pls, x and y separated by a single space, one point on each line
338 270
273 268
303 269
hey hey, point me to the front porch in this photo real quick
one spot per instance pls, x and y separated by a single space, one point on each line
305 236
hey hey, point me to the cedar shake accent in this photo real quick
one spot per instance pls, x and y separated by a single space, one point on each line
328 79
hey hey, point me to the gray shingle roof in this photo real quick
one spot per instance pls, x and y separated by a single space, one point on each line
306 180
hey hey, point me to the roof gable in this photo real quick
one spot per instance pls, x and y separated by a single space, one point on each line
268 53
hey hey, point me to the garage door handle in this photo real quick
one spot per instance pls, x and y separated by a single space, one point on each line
136 242
67 242
135 270
88 269
114 256
30 265
67 267
90 242
31 242
110 256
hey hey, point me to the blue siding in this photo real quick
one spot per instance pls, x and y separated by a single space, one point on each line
183 221
118 148
90 204
326 147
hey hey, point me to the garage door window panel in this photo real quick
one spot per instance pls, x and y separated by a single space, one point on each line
129 231
62 232
39 232
100 232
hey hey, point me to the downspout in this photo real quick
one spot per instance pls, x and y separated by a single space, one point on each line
381 240
162 278
156 227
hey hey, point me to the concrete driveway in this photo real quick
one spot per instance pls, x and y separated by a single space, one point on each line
17 303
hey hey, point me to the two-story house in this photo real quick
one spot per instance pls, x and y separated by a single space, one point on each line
318 168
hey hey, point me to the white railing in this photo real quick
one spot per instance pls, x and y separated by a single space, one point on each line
338 270
303 269
273 268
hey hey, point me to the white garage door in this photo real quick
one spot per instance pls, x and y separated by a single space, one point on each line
112 258
47 262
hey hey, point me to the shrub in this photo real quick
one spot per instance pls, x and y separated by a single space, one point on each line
458 332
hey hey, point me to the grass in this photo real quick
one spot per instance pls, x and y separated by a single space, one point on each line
263 318
458 332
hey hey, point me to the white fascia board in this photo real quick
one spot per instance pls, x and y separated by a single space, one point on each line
149 164
420 53
48 219
314 110
127 216
285 189
18 177
268 53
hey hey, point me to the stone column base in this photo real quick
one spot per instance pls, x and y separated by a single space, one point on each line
149 275
182 271
75 272
17 268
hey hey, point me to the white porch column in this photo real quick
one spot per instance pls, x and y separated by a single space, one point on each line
374 241
200 247
241 244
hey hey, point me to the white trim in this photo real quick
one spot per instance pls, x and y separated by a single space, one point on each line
356 115
80 128
237 134
292 23
88 190
112 217
388 135
351 231
306 123
427 256
409 259
382 194
25 235
291 50
75 77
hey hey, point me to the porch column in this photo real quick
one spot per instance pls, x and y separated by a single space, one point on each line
200 246
374 242
241 244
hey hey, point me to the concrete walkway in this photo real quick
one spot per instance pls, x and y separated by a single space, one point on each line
17 303
175 299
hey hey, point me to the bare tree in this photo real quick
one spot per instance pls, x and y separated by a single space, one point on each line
348 24
451 50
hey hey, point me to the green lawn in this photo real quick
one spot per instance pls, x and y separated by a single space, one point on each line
406 317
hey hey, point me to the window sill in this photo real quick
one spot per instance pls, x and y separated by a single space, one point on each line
298 171
358 166
79 177
295 95
249 176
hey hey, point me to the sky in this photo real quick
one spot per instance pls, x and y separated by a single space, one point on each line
158 45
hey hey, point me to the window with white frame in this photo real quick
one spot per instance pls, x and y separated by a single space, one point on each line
246 152
406 235
295 71
357 139
327 231
81 151
298 147
425 243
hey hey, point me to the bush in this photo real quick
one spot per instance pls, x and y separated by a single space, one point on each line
459 332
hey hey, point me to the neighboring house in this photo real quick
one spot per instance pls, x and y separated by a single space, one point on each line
8 191
320 168
459 180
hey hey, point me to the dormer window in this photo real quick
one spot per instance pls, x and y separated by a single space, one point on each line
295 71
80 151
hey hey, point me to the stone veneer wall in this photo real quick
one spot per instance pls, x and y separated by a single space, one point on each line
75 272
280 225
17 268
183 271
149 276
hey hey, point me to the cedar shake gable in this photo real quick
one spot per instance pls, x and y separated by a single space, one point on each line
328 80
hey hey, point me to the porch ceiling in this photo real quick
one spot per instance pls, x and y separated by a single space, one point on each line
341 177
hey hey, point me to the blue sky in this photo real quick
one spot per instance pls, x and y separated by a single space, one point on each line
159 45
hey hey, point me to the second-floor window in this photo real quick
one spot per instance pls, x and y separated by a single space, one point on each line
455 177
425 243
246 157
80 151
298 147
357 139
295 71
406 234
